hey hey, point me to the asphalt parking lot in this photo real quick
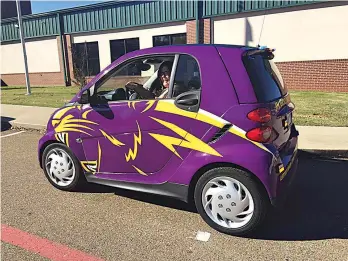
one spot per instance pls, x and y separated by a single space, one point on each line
114 224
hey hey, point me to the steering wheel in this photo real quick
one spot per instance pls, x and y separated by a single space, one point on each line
139 93
132 94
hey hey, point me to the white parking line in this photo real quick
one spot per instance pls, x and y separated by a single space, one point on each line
11 134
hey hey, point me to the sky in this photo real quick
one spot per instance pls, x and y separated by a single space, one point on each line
46 6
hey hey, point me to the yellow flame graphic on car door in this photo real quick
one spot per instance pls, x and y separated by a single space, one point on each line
92 165
149 105
139 171
132 103
189 141
132 154
112 139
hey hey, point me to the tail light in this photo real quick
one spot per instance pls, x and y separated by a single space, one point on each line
261 134
262 115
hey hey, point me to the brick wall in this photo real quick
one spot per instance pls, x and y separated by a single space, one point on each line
324 75
191 32
204 31
37 79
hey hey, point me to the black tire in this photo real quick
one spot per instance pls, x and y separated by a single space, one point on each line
260 198
79 180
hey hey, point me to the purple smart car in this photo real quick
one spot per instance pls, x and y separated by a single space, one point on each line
209 124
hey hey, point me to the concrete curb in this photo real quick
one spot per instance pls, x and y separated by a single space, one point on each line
324 153
28 126
22 126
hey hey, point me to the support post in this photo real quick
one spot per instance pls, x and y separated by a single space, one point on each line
62 48
21 35
197 21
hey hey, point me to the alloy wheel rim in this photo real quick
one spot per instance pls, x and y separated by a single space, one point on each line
227 202
60 167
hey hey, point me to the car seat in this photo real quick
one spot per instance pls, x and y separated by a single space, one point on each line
119 94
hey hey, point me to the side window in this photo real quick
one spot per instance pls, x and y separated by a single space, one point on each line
142 72
187 75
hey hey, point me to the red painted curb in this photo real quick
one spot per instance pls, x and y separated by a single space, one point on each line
43 247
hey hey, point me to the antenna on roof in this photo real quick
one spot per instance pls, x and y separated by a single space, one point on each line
263 22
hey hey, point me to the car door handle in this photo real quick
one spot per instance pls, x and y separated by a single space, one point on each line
188 101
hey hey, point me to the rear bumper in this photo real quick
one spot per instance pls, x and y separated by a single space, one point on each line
285 183
288 160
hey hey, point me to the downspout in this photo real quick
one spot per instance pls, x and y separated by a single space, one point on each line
63 49
197 21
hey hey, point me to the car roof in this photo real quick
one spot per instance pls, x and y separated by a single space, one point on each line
180 48
175 46
216 45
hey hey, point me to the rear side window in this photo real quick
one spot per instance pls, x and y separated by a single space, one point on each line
265 77
187 76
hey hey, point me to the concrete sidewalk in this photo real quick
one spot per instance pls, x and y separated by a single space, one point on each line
312 138
30 117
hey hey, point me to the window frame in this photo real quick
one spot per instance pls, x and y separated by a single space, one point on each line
94 88
175 72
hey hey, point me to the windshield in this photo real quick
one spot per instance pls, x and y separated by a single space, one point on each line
265 77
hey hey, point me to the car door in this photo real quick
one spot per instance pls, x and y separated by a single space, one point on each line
130 140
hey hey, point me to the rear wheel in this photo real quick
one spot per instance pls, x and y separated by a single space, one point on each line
230 201
62 168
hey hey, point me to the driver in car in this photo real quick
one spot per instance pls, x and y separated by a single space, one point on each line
163 74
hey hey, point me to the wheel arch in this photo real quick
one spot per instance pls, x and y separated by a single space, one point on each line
44 146
214 165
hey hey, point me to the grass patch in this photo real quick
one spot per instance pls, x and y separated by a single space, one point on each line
312 108
53 96
320 108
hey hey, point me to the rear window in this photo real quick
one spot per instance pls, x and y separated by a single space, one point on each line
265 77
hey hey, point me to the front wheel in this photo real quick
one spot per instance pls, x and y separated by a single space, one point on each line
62 168
230 201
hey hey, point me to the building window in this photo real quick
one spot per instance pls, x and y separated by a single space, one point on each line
121 47
86 58
160 40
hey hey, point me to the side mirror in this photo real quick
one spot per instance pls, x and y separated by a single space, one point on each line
84 97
